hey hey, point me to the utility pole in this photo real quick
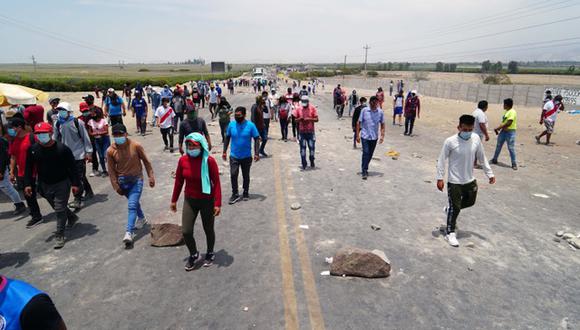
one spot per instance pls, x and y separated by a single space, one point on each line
366 48
34 62
344 67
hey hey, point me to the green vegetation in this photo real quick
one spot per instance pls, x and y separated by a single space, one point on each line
372 73
496 79
324 73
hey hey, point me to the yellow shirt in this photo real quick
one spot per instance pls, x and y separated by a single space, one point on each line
510 115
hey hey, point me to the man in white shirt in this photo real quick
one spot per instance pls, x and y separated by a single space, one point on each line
460 151
164 116
548 118
480 127
212 98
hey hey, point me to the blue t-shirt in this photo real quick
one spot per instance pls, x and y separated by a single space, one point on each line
114 110
140 106
241 138
370 122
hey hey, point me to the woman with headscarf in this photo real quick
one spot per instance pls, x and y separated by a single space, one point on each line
200 173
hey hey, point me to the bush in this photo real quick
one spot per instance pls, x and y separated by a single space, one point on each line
372 73
496 79
420 76
326 73
143 70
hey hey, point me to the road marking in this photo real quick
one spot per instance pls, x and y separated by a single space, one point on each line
290 306
312 300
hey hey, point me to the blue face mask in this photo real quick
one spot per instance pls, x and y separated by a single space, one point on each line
465 135
12 132
43 138
63 114
120 140
194 152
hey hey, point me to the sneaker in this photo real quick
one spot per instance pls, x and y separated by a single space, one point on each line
58 242
451 238
171 150
537 139
76 204
128 239
312 164
515 167
89 195
71 222
33 222
263 155
190 264
365 176
246 197
20 207
209 259
234 199
165 148
494 161
93 174
140 223
105 174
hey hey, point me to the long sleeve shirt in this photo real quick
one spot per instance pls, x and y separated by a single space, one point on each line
75 137
53 164
125 160
461 155
189 172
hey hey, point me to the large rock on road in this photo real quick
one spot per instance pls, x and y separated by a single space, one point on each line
351 261
166 234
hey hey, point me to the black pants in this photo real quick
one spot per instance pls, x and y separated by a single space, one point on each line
409 123
31 200
284 128
460 196
191 207
176 120
116 120
235 165
94 156
223 129
294 126
57 196
85 185
213 109
203 101
167 133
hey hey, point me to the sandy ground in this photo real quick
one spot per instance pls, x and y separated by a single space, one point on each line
515 276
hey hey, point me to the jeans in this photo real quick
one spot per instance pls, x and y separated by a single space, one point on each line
284 128
102 144
57 196
212 109
223 129
118 119
191 208
350 109
7 188
85 186
141 123
235 165
133 193
167 133
264 138
460 196
409 123
94 159
176 120
307 139
368 149
339 110
510 138
31 200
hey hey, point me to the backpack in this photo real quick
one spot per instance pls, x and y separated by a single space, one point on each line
76 121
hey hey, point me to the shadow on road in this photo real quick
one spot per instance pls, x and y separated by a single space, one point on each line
259 197
440 231
79 231
10 215
13 259
98 198
223 258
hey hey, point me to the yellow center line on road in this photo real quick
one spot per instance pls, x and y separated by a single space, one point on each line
312 300
290 306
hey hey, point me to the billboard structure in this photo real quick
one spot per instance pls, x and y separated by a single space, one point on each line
218 66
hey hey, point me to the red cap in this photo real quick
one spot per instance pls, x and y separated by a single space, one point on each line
43 128
83 106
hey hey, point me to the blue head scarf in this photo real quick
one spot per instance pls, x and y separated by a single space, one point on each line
205 182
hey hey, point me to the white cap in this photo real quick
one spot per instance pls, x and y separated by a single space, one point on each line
304 99
64 105
110 90
414 91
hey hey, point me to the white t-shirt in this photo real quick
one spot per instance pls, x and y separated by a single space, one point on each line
398 101
168 120
548 107
461 155
213 96
480 118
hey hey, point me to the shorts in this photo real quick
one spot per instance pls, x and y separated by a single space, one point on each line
398 111
549 126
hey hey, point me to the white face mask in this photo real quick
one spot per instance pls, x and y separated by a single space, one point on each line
465 135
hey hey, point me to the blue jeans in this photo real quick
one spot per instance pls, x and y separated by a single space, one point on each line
133 193
103 143
510 138
307 140
368 149
7 188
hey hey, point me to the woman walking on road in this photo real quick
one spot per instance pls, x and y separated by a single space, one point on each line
203 195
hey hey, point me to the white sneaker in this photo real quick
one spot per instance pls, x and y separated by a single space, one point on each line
128 239
140 223
92 174
452 239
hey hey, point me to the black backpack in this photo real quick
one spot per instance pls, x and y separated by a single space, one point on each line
77 125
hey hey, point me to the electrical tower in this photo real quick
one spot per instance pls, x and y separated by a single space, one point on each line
366 48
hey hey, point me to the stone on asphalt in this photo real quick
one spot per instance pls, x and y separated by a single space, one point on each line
568 236
560 233
575 242
375 227
166 234
470 245
360 263
295 206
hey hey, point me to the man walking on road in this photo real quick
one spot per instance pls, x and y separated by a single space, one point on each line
241 132
548 117
355 118
114 107
460 151
306 115
412 111
352 102
192 124
506 132
370 121
398 102
257 117
212 99
164 116
124 161
56 168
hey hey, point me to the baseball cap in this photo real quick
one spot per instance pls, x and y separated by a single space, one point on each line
43 127
53 99
304 99
88 97
65 106
110 90
119 129
414 91
83 106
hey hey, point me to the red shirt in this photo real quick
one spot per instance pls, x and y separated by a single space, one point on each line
189 170
303 113
34 114
19 149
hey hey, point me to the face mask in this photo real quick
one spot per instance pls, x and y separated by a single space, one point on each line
194 152
12 132
239 119
63 114
86 114
465 135
43 138
120 140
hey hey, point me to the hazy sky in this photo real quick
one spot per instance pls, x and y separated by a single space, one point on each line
242 31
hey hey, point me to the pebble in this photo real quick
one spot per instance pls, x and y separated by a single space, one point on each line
325 273
541 195
556 239
295 206
329 260
246 309
470 245
560 233
375 227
